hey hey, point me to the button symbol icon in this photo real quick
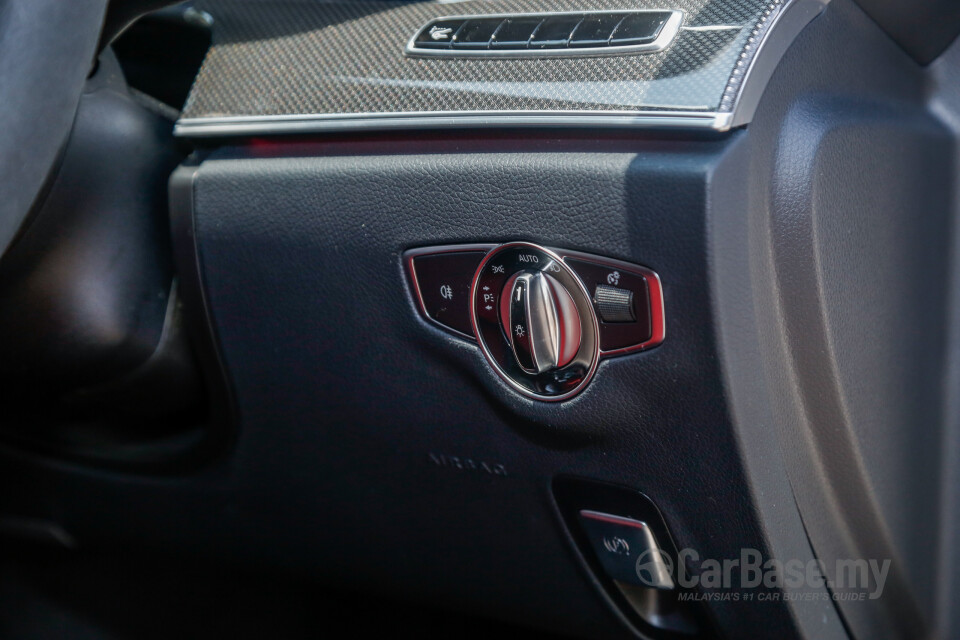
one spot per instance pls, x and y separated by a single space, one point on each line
553 267
446 291
488 297
617 545
440 33
613 278
497 268
519 330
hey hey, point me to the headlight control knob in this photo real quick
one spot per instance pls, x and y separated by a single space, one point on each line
535 321
541 321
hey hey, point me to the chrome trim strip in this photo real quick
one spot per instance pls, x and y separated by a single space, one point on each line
234 126
774 42
667 33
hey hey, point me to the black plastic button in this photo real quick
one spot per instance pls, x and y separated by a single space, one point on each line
476 34
638 28
595 30
438 35
554 32
443 281
619 334
627 550
514 33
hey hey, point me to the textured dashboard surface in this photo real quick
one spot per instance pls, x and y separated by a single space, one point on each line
296 57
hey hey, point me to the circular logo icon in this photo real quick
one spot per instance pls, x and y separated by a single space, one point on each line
654 568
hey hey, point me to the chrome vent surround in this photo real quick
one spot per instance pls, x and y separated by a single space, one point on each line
546 35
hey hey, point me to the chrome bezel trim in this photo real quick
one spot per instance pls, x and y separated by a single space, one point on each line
783 29
239 126
667 33
595 325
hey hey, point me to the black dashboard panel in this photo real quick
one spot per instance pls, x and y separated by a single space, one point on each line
280 61
375 449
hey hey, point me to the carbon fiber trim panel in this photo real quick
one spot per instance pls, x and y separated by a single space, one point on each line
338 59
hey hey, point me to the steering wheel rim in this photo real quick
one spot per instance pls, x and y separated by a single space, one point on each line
47 48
